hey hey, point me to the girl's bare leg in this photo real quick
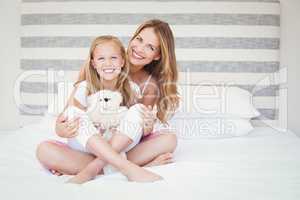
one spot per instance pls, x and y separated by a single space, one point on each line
118 142
89 172
62 158
102 149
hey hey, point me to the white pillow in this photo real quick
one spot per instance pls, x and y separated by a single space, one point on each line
216 101
195 128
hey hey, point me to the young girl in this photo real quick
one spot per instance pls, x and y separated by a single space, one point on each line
106 68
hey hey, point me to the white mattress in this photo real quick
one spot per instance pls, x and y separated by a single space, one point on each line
262 165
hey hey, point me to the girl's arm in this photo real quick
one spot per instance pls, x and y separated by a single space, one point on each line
67 128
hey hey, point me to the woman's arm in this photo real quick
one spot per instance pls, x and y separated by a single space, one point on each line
149 99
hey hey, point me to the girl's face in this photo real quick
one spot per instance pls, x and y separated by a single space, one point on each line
144 48
108 61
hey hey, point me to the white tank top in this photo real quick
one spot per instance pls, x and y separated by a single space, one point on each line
140 92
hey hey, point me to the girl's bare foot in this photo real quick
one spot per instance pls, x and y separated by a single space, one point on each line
80 178
161 160
139 174
89 172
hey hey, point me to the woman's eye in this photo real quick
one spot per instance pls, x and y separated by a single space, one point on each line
114 57
150 47
101 58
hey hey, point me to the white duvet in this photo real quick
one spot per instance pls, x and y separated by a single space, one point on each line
262 165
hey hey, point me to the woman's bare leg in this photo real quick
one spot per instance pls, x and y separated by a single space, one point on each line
155 151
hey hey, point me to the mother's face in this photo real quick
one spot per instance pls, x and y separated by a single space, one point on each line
144 48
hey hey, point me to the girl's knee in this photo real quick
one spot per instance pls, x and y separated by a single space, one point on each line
136 108
45 153
43 148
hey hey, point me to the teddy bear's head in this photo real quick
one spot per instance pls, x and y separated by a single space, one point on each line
106 100
104 107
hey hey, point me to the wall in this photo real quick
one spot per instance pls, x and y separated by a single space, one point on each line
290 57
9 54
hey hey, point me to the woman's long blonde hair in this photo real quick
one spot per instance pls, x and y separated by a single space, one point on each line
89 74
165 69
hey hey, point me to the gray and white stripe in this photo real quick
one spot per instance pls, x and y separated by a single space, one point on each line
271 1
218 42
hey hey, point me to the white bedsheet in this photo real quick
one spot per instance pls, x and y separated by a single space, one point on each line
263 165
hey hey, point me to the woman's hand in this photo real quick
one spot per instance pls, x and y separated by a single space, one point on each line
149 116
65 128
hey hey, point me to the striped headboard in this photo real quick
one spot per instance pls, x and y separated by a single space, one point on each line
217 41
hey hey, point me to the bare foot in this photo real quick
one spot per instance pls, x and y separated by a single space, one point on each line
161 160
79 178
88 173
139 174
56 173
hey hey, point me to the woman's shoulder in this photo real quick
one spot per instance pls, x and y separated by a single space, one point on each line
135 88
134 85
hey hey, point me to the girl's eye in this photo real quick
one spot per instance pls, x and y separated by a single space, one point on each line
101 58
114 57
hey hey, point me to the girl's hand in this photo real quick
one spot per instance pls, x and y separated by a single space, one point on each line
149 116
101 129
65 128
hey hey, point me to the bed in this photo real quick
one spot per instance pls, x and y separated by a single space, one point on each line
261 165
218 42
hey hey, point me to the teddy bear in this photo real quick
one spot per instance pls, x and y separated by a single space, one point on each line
105 110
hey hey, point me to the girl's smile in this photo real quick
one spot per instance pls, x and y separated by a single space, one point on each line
110 70
107 60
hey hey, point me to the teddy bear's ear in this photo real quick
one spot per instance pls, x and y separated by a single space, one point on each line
118 97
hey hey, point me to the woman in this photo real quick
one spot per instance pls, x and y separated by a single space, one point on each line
151 54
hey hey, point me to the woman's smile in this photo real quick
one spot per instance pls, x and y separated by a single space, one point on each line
136 55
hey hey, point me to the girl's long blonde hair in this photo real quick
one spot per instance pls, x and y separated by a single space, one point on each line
165 69
89 74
